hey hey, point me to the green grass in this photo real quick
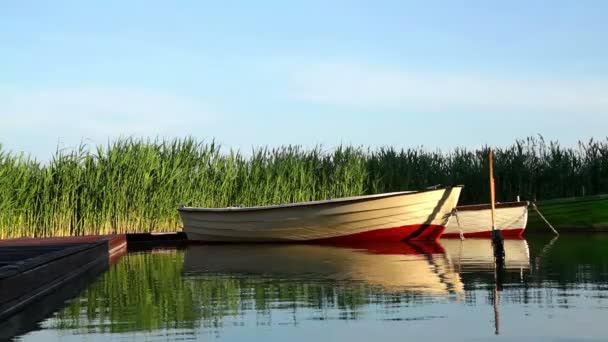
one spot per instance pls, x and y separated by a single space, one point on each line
134 185
574 213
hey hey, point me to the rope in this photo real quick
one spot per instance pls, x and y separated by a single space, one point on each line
455 213
542 253
544 219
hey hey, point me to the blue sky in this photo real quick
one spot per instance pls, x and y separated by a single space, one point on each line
435 73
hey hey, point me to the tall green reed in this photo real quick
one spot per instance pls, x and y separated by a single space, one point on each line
135 185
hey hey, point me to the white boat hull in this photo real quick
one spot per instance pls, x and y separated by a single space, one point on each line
476 220
385 217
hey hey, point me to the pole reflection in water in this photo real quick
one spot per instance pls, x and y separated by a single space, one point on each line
499 268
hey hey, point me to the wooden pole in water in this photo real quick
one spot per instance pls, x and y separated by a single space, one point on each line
497 239
498 246
492 191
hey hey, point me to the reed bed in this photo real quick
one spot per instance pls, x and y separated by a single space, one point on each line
135 185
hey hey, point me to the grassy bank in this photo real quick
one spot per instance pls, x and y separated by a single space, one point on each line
572 214
135 185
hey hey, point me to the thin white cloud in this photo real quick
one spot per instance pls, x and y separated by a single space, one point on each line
47 117
99 111
368 87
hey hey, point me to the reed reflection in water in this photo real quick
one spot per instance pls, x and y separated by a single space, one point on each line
440 290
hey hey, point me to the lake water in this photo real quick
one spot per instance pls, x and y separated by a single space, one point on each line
549 289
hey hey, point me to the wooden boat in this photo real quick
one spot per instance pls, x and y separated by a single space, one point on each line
391 267
478 254
476 220
397 216
588 213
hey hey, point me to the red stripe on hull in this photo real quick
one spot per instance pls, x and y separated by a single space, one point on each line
506 233
412 232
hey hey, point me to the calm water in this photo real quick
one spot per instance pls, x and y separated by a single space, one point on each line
551 290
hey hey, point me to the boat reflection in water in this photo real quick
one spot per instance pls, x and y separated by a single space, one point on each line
475 257
478 255
419 268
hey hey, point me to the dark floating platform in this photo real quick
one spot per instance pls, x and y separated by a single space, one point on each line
144 241
38 275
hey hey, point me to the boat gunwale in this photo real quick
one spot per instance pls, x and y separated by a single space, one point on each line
487 206
351 199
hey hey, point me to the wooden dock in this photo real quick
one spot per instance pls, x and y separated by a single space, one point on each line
34 273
